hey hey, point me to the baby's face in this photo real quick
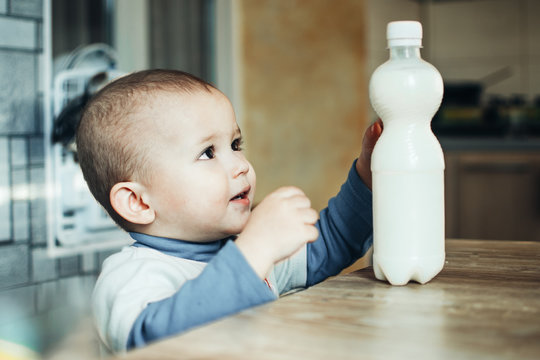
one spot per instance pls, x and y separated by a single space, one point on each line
202 186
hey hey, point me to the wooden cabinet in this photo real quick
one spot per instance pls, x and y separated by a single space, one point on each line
493 195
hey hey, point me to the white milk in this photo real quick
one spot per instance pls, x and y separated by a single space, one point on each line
407 163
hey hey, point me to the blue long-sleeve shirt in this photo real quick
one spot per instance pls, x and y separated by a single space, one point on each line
224 283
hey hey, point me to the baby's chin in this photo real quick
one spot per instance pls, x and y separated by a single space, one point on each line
236 229
232 231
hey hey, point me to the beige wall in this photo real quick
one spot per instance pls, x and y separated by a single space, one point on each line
304 92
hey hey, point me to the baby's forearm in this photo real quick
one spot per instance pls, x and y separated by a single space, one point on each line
364 171
255 256
346 226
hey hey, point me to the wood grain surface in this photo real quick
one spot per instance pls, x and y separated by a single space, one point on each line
485 304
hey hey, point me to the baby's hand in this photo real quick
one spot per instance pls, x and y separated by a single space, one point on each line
280 225
363 165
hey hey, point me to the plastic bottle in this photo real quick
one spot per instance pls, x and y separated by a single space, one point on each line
407 163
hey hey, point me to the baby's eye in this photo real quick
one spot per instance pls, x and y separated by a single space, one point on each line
237 144
208 153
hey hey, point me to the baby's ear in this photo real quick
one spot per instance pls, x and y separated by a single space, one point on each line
128 200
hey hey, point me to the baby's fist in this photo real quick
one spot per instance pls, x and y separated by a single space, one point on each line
278 227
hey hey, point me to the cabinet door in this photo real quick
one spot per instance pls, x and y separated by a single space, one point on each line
499 196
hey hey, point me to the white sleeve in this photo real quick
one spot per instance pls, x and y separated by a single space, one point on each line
129 281
291 273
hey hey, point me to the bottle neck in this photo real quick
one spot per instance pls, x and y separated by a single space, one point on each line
405 52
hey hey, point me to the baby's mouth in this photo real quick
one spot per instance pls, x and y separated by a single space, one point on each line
241 196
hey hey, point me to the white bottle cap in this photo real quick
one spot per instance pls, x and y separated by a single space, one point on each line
404 33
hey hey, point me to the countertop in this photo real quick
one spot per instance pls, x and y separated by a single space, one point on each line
485 304
490 144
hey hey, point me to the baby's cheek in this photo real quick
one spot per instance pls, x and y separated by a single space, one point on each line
217 204
252 176
253 182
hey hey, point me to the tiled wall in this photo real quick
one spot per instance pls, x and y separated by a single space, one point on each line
33 287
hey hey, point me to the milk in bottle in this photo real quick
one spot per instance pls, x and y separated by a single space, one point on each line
407 163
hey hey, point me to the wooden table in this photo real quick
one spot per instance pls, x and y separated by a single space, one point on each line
485 304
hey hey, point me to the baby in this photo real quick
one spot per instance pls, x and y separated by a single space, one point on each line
162 152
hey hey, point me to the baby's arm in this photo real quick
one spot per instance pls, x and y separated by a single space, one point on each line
225 286
346 225
231 281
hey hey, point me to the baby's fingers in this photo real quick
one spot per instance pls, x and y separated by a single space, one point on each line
371 136
310 216
288 191
311 233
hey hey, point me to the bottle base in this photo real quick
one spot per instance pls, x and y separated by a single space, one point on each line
399 271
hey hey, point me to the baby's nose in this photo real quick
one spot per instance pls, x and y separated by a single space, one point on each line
241 166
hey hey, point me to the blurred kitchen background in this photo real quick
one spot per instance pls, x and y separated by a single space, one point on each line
297 74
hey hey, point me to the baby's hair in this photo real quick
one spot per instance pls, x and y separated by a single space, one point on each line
107 148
